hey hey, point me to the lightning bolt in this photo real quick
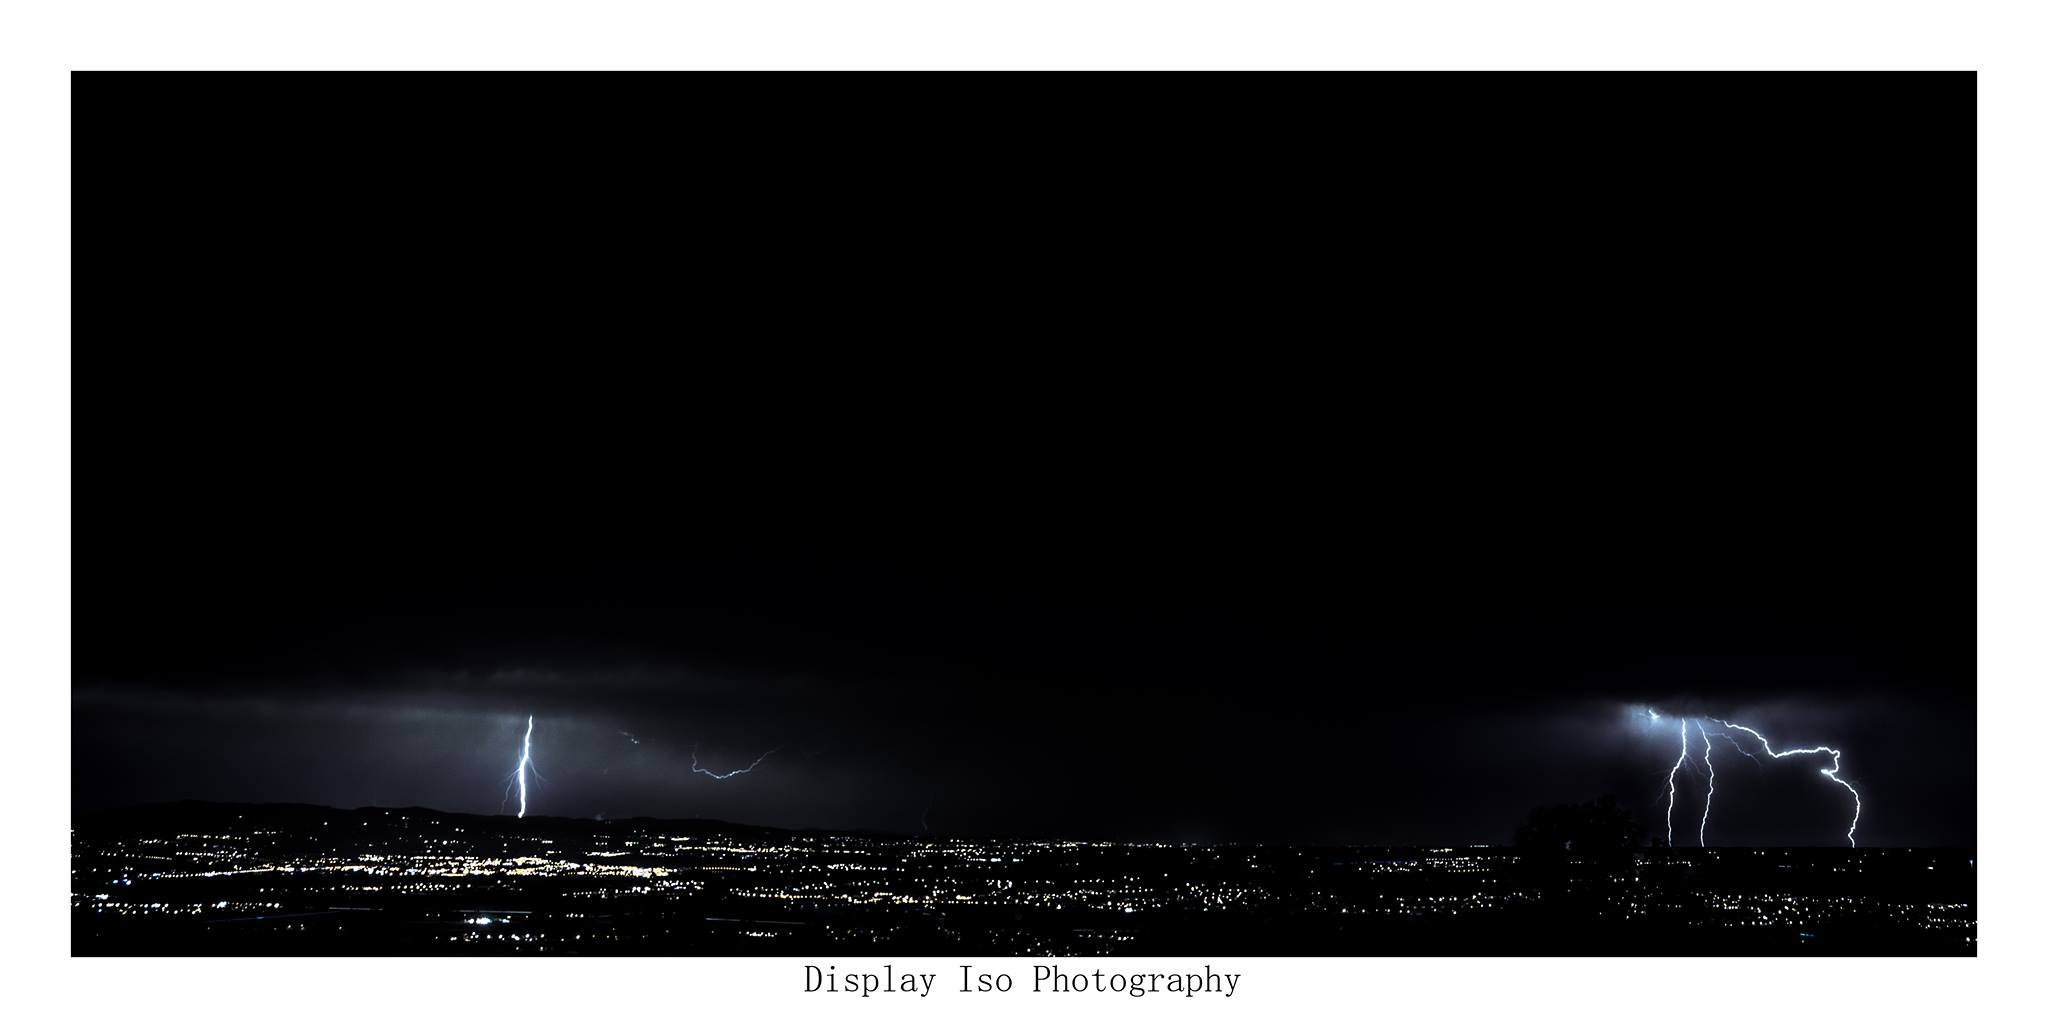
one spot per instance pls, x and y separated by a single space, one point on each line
525 761
1672 781
1708 755
1832 774
728 774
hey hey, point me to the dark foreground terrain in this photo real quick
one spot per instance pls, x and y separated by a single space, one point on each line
227 879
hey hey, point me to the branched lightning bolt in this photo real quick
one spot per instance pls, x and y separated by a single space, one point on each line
1708 756
1832 774
1732 741
722 776
1672 781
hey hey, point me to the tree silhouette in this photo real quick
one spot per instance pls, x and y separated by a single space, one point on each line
1593 830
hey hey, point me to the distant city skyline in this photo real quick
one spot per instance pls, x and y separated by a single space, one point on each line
240 879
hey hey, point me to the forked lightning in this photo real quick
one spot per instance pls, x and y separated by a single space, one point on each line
1832 773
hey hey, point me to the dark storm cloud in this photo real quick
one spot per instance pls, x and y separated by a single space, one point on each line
1083 681
1414 757
449 740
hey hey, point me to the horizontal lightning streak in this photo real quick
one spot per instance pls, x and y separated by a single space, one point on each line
728 774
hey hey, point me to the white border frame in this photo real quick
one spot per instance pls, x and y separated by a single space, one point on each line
43 41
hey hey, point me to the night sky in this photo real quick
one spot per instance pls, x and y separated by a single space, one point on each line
1192 519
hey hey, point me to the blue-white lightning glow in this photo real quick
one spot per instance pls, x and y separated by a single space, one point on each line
723 775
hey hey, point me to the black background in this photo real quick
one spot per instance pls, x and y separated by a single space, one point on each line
1331 459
